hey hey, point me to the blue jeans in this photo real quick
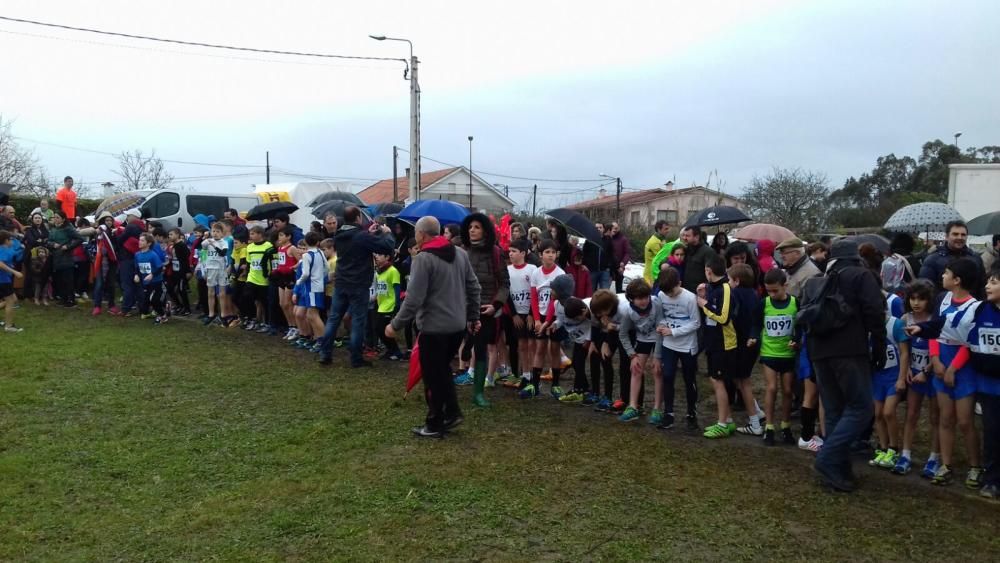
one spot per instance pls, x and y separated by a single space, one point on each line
689 369
355 302
845 387
130 289
600 280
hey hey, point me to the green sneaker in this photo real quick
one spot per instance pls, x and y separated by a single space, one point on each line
974 480
888 460
656 417
717 431
731 428
556 392
629 415
573 397
145 316
528 392
942 476
877 459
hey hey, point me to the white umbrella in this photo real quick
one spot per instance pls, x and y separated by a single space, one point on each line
927 216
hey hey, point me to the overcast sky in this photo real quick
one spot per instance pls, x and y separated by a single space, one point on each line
649 91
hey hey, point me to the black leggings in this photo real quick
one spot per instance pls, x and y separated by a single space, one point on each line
599 364
382 321
152 298
177 289
689 370
579 363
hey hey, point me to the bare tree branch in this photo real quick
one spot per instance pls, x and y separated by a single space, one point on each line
141 172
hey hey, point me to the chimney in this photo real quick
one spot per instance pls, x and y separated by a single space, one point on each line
602 193
669 185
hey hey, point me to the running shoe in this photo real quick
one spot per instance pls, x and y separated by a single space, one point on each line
731 428
666 422
769 437
629 415
786 437
464 379
316 348
603 405
991 492
813 445
263 329
902 466
489 381
930 468
145 316
528 392
513 381
206 321
942 476
572 397
751 430
618 406
717 431
425 432
96 311
889 460
338 342
395 357
115 311
590 399
656 417
691 422
217 321
556 392
874 461
12 329
291 334
161 320
974 479
547 376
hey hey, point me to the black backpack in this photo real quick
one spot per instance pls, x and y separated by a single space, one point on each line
826 311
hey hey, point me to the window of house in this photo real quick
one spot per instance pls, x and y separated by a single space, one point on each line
634 218
671 216
207 205
162 205
692 213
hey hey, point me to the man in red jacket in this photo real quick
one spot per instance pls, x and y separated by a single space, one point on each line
67 199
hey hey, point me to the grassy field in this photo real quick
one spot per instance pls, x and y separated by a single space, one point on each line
120 440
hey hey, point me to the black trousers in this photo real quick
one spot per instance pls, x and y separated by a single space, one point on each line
152 298
177 289
63 281
436 352
599 364
991 437
381 321
579 367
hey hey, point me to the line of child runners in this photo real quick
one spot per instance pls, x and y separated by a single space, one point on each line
943 350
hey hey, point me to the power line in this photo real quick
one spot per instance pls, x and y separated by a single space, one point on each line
484 173
116 155
200 44
190 53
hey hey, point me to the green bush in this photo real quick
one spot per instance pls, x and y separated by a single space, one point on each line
24 204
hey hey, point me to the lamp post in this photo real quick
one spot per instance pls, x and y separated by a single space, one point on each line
470 172
618 194
414 179
957 135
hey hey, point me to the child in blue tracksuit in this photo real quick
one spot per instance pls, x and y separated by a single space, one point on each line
10 254
984 343
149 273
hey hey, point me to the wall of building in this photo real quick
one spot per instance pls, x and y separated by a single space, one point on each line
974 189
674 209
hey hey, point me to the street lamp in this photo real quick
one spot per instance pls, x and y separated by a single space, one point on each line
957 135
470 172
618 194
414 117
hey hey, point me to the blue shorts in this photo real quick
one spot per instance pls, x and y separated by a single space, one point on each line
805 368
309 299
965 379
884 385
988 385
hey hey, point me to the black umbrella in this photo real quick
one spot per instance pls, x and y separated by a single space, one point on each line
717 215
575 223
337 208
336 196
269 210
383 209
878 241
988 224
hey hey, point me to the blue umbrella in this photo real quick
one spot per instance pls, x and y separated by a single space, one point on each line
443 210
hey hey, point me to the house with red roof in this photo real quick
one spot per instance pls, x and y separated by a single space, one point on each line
452 184
642 208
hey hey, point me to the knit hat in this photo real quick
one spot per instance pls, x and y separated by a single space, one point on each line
563 286
844 249
104 215
791 243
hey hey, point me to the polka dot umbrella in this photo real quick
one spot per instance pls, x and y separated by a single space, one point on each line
920 217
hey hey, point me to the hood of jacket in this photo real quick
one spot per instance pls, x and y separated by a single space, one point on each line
489 233
440 247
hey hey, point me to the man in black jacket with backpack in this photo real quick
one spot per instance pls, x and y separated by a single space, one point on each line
846 341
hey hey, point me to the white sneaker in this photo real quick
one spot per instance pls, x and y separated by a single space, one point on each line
751 430
292 334
979 409
13 329
813 445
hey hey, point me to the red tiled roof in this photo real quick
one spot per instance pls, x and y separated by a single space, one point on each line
381 191
637 197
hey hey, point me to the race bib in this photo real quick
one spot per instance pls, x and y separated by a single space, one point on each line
919 359
176 265
778 326
989 341
255 264
281 258
145 268
891 357
674 323
383 288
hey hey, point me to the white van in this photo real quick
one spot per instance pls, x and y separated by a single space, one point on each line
172 207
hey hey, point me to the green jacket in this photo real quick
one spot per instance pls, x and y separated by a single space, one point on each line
62 241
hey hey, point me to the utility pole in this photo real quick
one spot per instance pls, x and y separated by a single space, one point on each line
470 172
267 162
395 181
618 198
414 128
534 199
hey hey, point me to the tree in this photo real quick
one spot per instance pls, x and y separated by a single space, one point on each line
793 198
141 172
19 165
